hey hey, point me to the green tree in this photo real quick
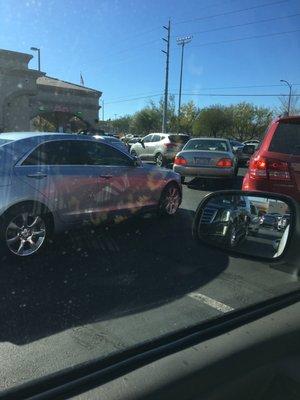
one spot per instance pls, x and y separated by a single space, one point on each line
122 124
212 121
249 121
188 114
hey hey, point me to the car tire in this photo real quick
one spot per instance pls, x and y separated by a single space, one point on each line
159 160
231 237
170 200
25 230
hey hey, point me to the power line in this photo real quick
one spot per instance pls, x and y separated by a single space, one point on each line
236 95
245 24
246 38
134 99
231 12
245 87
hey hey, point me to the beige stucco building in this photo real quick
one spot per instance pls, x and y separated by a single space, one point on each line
26 94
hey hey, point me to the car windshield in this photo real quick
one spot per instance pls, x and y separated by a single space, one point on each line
181 139
207 145
117 119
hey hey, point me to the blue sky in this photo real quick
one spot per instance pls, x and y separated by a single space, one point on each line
116 45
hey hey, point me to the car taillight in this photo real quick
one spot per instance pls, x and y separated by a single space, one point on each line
170 145
258 167
224 163
179 160
278 170
262 168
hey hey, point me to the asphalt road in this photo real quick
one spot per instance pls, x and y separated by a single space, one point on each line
97 291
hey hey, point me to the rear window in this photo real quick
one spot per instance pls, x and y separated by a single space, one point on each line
286 138
181 139
207 145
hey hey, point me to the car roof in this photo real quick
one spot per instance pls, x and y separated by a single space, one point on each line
27 135
16 136
209 138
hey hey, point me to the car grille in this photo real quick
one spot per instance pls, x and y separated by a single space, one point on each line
208 215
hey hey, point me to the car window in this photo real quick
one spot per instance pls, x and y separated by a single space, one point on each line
207 145
4 141
66 152
147 138
52 153
180 139
286 138
156 138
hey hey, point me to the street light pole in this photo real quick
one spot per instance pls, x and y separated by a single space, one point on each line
167 53
181 42
39 55
290 94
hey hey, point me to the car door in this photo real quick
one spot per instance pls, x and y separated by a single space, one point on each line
153 145
146 149
60 170
123 185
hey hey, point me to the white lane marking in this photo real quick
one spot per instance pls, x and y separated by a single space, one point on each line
211 302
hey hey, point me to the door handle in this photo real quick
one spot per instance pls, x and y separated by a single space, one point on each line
105 176
37 175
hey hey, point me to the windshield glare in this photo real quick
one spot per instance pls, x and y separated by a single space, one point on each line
117 119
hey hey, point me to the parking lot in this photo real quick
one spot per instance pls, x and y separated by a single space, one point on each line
100 290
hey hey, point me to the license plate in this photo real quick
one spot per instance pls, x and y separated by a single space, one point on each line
201 161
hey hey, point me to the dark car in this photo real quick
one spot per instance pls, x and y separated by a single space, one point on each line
275 166
283 222
269 221
254 220
228 219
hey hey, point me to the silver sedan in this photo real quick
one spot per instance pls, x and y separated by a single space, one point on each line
207 158
51 182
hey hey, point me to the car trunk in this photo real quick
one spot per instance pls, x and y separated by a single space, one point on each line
203 158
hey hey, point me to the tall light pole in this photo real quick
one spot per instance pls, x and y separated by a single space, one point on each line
181 42
167 53
290 94
39 56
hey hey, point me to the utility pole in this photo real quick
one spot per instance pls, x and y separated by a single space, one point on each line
167 52
181 42
290 94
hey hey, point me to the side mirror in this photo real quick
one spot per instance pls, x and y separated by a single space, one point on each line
141 141
249 149
224 220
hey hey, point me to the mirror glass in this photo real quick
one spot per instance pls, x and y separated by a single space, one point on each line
249 225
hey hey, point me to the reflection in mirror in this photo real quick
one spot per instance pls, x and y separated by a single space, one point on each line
249 225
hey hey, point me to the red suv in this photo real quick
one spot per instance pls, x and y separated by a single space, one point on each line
275 166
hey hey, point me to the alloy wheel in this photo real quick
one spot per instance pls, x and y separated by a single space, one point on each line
172 200
25 234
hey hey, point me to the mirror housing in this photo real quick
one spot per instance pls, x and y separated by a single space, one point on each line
224 221
141 141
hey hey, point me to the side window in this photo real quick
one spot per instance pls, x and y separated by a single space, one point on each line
156 138
100 154
147 138
50 153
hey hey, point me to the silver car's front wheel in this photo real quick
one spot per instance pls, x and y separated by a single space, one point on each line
25 232
170 200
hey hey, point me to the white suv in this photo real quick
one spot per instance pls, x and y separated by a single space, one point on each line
159 147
